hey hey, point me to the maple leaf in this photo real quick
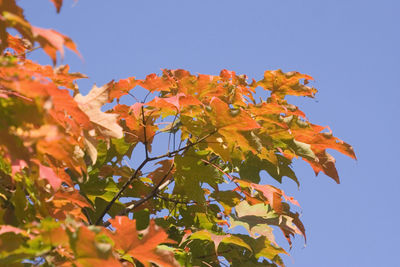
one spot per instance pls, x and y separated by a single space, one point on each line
217 239
223 117
176 102
160 173
105 123
120 88
144 249
90 251
91 104
48 174
282 84
53 41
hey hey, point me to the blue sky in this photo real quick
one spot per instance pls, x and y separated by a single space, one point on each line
350 47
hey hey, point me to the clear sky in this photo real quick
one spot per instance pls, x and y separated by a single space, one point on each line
350 47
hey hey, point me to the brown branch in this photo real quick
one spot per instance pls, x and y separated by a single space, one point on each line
145 161
107 208
143 200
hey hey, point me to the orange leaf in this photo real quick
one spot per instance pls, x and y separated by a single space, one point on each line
87 251
126 238
282 84
223 118
120 88
156 83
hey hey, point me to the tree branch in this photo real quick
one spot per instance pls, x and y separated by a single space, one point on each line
138 203
107 208
145 161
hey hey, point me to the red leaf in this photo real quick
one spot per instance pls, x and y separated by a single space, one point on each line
326 164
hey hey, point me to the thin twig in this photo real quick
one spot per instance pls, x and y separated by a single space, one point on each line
180 143
170 154
176 201
144 100
144 134
28 51
170 131
137 100
221 170
84 211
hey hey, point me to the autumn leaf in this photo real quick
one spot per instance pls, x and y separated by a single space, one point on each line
217 239
126 239
91 104
48 174
288 83
53 42
120 88
93 250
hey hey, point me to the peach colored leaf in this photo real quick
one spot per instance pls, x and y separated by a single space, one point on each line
11 229
48 174
106 123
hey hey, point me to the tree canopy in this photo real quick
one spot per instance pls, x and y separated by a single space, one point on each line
69 196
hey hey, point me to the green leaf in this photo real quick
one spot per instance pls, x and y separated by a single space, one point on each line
142 219
251 167
302 149
120 145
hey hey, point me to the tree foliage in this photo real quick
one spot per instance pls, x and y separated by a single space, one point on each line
68 196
